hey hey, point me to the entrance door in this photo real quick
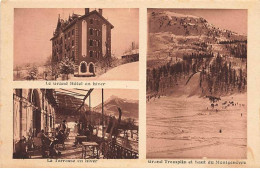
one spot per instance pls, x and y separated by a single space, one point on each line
83 68
91 68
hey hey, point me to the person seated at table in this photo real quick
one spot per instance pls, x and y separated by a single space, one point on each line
63 126
60 136
41 134
78 140
52 148
88 133
56 131
90 128
48 145
45 142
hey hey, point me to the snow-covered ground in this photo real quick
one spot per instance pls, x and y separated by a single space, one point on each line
181 127
129 72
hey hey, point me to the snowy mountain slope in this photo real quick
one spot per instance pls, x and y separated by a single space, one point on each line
129 107
181 45
172 35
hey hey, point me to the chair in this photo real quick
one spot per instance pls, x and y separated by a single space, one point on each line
61 139
37 142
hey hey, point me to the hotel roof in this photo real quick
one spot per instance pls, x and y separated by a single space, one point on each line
64 25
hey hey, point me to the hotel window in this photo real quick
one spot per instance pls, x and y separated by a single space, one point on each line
91 21
72 32
97 43
65 36
91 31
72 42
97 32
73 55
90 42
91 54
69 34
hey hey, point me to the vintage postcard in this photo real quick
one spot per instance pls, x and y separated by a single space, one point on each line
113 84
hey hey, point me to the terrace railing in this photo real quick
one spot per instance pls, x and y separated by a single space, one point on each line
113 150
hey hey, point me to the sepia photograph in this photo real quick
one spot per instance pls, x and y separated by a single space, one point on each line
76 44
75 94
196 87
75 124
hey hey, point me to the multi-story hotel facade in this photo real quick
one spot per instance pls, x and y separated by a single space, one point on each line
85 39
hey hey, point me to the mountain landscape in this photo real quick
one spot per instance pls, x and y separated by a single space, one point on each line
181 47
128 107
196 87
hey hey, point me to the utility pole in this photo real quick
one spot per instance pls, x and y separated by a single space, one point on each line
89 104
102 113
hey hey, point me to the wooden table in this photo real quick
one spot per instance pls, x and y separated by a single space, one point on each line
81 138
92 146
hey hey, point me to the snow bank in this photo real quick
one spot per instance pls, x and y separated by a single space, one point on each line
129 72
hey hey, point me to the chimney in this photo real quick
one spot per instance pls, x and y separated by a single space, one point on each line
100 11
86 11
133 45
